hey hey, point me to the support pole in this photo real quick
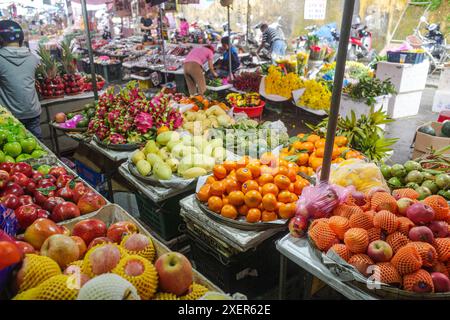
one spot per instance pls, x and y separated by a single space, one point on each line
230 45
248 22
89 43
337 87
163 48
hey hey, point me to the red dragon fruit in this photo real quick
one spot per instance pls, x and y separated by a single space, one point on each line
116 138
143 122
113 115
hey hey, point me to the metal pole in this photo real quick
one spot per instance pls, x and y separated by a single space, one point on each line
163 48
248 22
337 87
229 46
89 43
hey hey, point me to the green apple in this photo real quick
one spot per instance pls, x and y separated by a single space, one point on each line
2 156
38 154
22 157
28 145
44 169
9 159
13 149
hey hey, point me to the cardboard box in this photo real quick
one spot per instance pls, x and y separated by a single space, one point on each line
424 141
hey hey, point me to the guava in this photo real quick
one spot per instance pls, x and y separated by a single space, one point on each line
443 181
412 165
427 176
412 185
394 182
431 185
423 192
386 171
414 176
398 171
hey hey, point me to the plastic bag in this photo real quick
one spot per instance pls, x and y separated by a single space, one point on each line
356 172
319 201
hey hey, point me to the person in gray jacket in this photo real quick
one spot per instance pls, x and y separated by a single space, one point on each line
17 77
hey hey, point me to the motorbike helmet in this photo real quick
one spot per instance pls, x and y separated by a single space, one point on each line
356 20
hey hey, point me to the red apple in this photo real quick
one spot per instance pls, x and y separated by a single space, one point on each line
439 228
62 180
25 247
6 166
13 188
22 167
26 215
175 273
40 230
10 201
39 197
118 230
30 187
421 233
46 183
4 178
65 211
43 213
104 258
61 248
66 193
90 202
79 190
60 117
25 199
81 246
19 178
379 251
52 202
99 240
441 282
403 205
420 213
89 229
57 171
36 176
81 278
298 226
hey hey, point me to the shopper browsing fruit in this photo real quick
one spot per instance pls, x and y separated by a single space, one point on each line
235 63
17 77
193 68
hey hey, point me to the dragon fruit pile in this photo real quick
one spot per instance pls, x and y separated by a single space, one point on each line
129 116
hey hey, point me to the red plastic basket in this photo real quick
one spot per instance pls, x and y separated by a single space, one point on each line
252 112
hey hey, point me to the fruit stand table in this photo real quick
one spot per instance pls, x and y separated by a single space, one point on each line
297 250
47 104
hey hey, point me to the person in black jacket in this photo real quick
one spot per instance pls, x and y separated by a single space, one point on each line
146 26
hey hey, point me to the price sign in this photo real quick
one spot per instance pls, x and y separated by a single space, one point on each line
315 9
156 80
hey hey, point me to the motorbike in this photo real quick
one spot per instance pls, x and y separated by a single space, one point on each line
360 44
433 42
325 34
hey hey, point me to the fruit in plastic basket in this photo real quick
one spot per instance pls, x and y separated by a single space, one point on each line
108 287
403 204
362 220
361 262
407 260
442 246
35 269
397 240
89 229
139 244
175 273
379 251
40 230
420 213
419 281
90 202
118 230
441 282
421 233
427 252
386 273
322 235
60 248
65 211
385 220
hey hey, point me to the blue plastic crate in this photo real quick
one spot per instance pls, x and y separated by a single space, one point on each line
411 57
96 180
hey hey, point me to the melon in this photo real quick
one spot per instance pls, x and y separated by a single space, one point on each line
427 130
446 128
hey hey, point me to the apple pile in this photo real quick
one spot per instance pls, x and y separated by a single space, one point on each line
92 250
49 192
400 240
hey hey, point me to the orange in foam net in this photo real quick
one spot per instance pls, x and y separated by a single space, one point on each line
374 234
357 240
388 273
360 258
404 225
386 220
351 201
346 211
322 235
439 206
407 260
362 220
405 193
397 240
342 251
339 225
427 252
420 278
442 246
383 201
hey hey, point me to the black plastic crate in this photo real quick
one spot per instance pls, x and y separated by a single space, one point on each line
164 219
251 273
112 72
410 57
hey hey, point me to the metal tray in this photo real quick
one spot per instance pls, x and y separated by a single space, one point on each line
240 224
55 125
117 147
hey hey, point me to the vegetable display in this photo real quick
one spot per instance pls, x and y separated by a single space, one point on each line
368 89
247 81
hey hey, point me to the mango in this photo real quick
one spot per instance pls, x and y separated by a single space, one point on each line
153 158
173 164
165 137
137 156
194 173
162 171
172 144
143 167
164 153
150 147
200 142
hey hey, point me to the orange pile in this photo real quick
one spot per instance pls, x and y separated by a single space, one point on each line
351 229
261 190
307 151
